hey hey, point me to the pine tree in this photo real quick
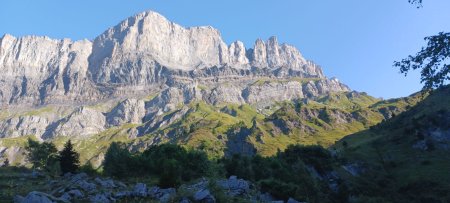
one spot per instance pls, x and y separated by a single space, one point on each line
69 158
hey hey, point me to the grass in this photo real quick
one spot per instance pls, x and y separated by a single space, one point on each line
207 127
387 148
14 181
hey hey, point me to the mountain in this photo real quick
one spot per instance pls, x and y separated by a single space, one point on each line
145 54
148 81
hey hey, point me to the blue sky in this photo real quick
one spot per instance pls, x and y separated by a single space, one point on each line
354 40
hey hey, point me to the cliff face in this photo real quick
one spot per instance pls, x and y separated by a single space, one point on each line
142 72
38 70
136 57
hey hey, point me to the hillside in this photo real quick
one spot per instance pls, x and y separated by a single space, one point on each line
226 129
404 158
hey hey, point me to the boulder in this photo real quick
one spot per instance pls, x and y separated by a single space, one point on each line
185 200
100 198
234 186
105 183
154 192
123 194
204 196
86 186
163 195
292 200
120 184
72 194
140 190
76 194
78 177
66 197
37 197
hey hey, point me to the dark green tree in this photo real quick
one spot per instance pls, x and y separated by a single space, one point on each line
432 60
69 159
41 155
171 175
117 160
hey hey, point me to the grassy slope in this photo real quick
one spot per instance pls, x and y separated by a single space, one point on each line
386 149
209 127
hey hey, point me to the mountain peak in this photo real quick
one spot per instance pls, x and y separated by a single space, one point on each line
141 52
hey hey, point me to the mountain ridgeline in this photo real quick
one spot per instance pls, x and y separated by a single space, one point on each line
149 81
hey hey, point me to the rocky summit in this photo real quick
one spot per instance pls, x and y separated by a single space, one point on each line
140 77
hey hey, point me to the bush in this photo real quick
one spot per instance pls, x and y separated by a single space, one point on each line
42 156
315 156
172 160
287 174
117 161
279 189
171 174
88 169
171 163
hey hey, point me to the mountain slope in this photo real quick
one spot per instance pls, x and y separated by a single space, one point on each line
406 157
148 81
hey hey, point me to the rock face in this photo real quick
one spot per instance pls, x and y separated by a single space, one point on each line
135 57
152 69
81 123
37 70
23 125
128 111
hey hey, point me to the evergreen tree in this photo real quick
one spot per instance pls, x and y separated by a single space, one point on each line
117 161
69 158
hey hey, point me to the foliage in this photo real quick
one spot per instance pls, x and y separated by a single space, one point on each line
171 163
431 60
117 161
288 174
418 3
41 155
393 169
88 169
69 159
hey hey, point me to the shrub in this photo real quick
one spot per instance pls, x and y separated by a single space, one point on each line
170 163
88 169
41 155
174 163
117 160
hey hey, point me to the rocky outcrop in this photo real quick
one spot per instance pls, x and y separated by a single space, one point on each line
81 123
23 125
128 111
269 92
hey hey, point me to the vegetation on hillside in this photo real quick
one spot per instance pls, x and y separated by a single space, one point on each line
404 158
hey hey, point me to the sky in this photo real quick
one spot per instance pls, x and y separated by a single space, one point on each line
356 41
